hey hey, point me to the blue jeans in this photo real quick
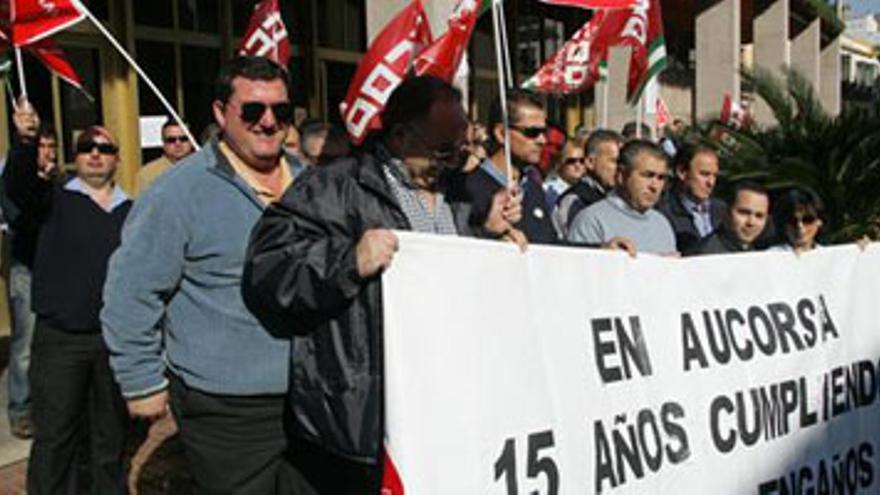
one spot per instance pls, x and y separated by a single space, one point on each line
22 323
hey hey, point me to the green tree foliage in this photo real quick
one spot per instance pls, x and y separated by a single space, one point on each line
837 158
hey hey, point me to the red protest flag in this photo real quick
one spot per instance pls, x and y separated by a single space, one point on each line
575 66
34 20
594 4
266 35
444 56
664 118
53 58
732 113
382 69
45 50
640 28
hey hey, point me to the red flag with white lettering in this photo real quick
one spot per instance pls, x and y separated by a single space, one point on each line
575 67
443 57
45 50
382 69
594 4
664 118
34 20
732 113
266 35
53 58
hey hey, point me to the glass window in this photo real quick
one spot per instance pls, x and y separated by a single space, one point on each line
155 13
200 67
99 7
342 24
157 60
339 76
200 15
77 111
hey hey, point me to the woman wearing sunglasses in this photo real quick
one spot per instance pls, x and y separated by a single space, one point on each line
800 212
570 168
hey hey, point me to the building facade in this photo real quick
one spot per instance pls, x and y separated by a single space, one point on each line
182 43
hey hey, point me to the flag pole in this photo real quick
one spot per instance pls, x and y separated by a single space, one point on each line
11 94
501 59
82 8
605 94
22 83
639 115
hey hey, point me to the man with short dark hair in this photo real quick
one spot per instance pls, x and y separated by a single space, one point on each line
175 147
629 211
689 206
313 135
173 315
73 394
528 135
22 231
314 274
602 149
743 224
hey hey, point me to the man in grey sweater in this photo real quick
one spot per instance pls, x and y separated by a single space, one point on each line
174 320
628 211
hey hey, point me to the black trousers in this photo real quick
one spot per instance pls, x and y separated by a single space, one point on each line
328 474
73 392
233 444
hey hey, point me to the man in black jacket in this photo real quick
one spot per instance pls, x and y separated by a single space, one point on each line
689 206
528 135
314 266
743 223
72 387
602 150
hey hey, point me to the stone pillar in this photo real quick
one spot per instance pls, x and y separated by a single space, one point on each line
619 111
718 44
829 74
119 91
805 54
771 49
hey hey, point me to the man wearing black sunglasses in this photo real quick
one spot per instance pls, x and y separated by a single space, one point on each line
79 223
175 147
528 135
173 314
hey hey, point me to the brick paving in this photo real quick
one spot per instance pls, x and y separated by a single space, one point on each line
157 466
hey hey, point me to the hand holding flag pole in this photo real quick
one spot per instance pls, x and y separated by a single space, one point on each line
19 66
505 80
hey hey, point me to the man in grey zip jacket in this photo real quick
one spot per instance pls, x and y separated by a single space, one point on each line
173 316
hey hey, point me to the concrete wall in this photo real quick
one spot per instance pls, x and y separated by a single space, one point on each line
718 56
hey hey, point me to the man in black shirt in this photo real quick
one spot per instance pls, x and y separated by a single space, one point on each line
72 387
743 224
602 150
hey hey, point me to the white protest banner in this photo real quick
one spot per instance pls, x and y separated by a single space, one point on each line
566 371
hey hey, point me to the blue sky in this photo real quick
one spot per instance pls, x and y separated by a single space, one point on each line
865 6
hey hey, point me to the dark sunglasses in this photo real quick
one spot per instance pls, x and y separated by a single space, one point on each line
176 139
252 112
103 148
531 132
806 220
573 160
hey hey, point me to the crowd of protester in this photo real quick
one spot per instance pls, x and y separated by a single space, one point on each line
239 293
